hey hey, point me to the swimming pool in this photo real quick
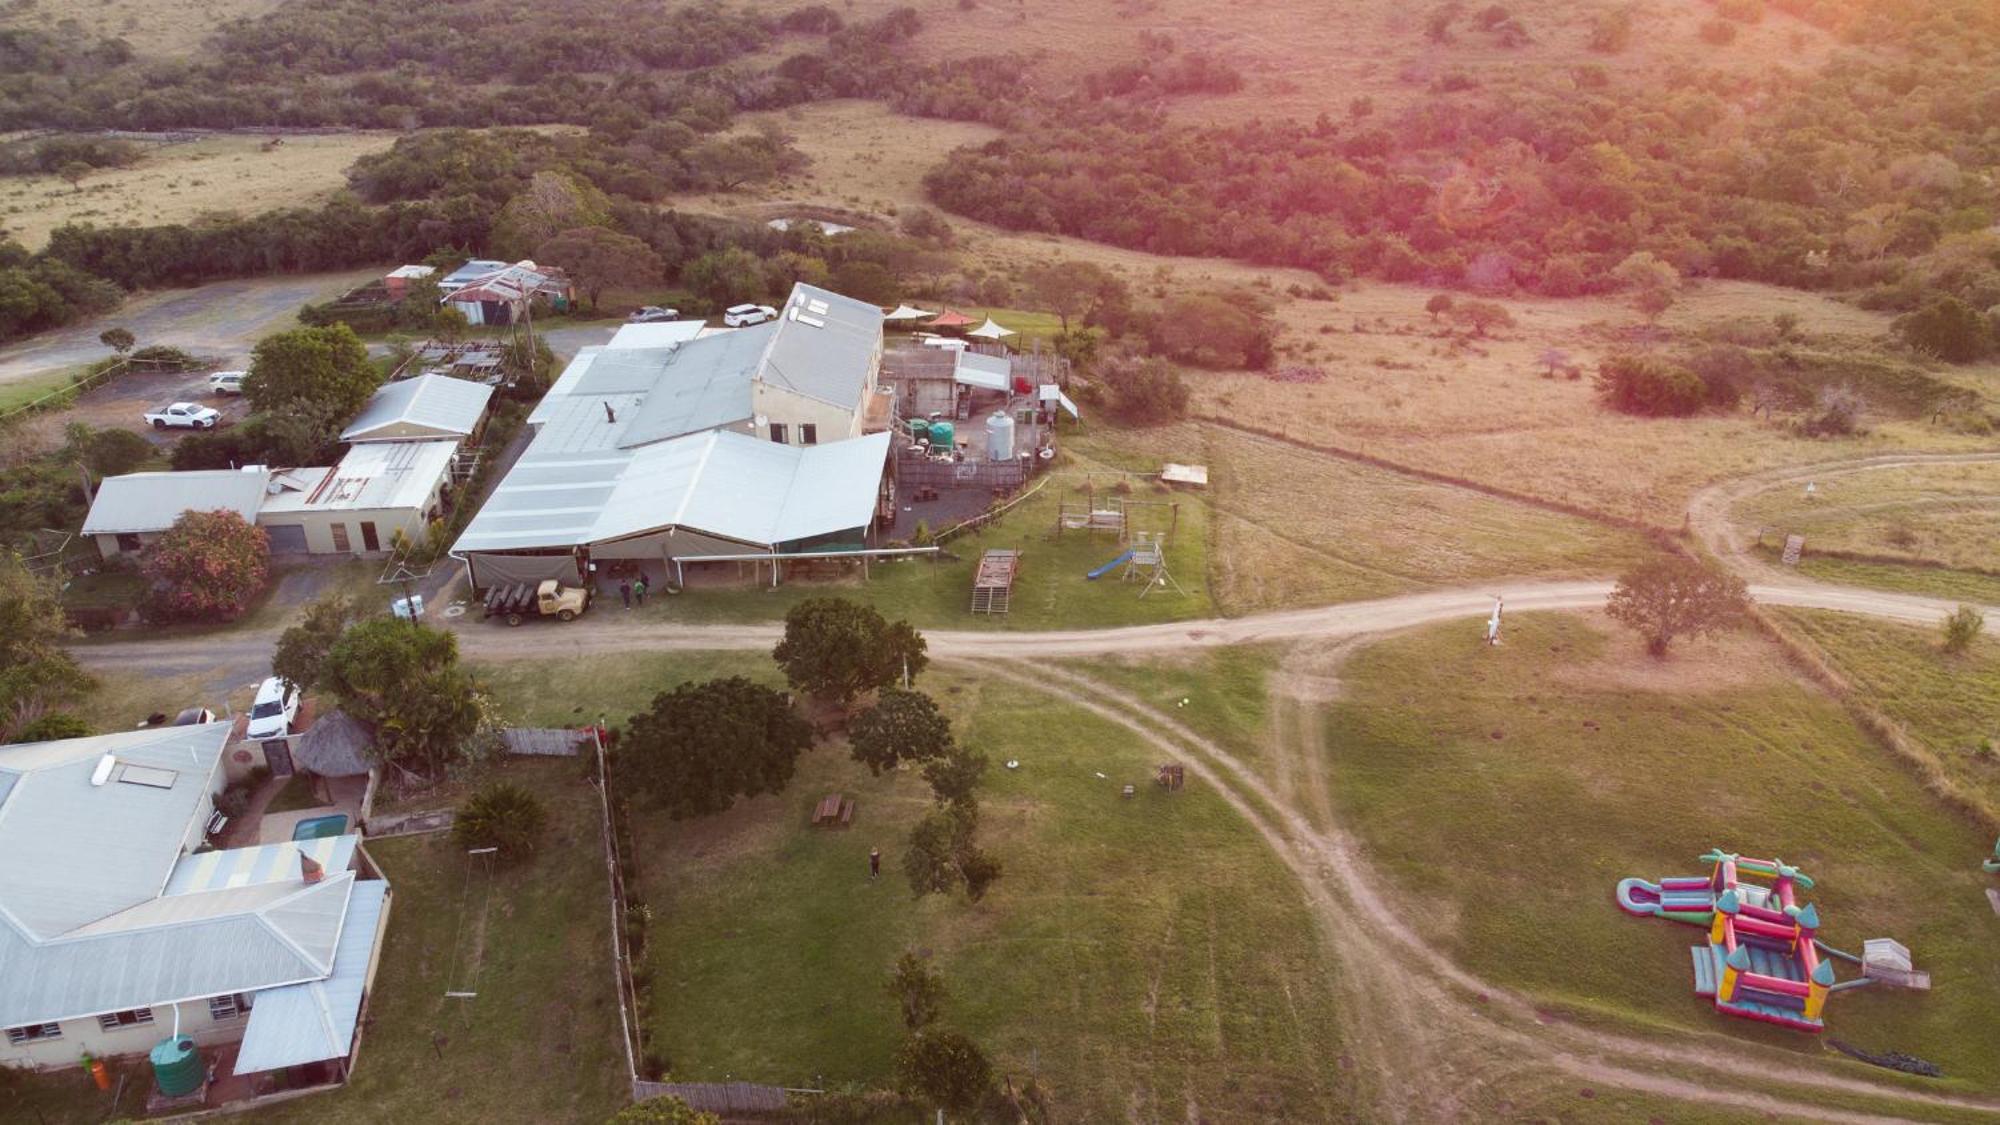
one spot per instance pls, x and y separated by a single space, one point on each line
319 827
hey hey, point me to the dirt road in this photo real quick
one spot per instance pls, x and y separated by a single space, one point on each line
223 319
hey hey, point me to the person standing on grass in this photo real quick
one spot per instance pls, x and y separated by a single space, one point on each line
625 591
640 589
874 862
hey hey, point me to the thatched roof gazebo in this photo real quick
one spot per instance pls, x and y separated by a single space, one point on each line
335 746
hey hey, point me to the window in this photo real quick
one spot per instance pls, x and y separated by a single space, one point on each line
150 776
34 1032
129 542
340 537
808 434
778 432
113 1021
368 538
228 1007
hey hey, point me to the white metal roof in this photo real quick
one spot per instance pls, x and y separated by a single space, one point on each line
719 483
701 385
657 334
139 502
990 372
826 346
440 403
372 477
312 1022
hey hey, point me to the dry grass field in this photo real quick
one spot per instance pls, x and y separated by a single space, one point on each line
1940 513
178 182
153 27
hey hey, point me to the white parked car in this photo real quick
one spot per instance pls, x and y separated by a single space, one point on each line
739 316
652 314
184 416
226 382
271 715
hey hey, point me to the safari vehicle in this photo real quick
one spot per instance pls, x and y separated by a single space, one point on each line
519 601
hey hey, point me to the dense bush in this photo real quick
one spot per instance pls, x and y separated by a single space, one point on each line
1650 386
206 567
502 816
1947 328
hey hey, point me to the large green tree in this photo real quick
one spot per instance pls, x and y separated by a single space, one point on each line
37 674
302 649
1947 328
701 746
902 726
206 567
404 681
1676 597
597 259
943 854
318 377
1076 291
836 649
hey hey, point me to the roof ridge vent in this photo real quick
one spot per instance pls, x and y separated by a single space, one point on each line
102 773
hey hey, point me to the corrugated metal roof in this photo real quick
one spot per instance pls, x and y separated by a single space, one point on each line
72 852
184 947
826 347
659 334
439 403
265 863
702 384
372 477
308 1023
139 502
720 483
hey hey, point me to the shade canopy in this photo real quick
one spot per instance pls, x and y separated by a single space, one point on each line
905 312
990 330
949 318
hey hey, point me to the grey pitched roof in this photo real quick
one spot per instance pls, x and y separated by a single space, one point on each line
76 852
306 1023
334 746
139 502
86 925
438 403
826 347
702 384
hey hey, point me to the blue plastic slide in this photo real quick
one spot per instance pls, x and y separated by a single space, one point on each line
1107 568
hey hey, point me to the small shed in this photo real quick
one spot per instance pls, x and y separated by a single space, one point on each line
429 407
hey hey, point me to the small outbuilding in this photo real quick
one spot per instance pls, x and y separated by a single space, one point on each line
358 506
429 407
131 511
336 745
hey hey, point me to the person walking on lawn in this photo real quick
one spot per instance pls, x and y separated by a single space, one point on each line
874 862
625 591
640 589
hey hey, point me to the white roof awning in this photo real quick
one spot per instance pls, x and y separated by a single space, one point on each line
1052 393
905 312
991 330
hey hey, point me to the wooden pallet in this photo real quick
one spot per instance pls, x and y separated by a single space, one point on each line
993 583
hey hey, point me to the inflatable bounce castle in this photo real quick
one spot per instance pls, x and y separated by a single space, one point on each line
1762 959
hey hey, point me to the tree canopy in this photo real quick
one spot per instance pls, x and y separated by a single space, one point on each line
902 726
300 657
1676 597
945 1067
405 681
701 746
37 674
836 649
597 259
206 567
319 377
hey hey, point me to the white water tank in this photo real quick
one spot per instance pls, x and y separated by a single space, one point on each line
1000 437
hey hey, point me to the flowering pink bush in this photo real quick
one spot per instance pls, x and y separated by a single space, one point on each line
206 567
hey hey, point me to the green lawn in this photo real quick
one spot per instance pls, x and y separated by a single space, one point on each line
1142 957
1950 703
540 1043
1543 771
295 794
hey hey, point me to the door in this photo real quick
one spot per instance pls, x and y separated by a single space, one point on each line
278 755
340 538
287 539
369 542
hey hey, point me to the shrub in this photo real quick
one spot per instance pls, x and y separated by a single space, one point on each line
1962 627
52 726
1836 412
1947 328
1144 391
1650 387
944 1067
502 816
206 567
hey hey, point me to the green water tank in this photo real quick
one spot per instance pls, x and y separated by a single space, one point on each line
943 435
176 1066
920 430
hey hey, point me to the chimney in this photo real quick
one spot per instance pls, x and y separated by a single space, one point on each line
310 869
608 415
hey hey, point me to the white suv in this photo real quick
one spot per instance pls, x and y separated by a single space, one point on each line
226 382
272 714
739 316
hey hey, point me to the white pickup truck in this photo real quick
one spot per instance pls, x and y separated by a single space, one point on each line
184 416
